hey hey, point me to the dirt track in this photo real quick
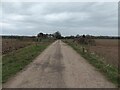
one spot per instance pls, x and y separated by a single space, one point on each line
59 66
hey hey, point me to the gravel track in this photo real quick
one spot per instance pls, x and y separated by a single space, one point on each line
59 66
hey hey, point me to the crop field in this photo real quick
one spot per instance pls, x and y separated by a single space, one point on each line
9 45
108 49
104 48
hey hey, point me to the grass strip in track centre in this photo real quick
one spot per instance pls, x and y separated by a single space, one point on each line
109 71
16 61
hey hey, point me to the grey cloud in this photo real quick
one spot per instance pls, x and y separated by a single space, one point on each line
68 18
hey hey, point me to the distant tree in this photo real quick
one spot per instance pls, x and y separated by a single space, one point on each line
40 35
57 35
85 39
77 36
83 36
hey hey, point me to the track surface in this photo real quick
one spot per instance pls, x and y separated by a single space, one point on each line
59 66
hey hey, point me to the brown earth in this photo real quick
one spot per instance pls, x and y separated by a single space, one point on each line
59 66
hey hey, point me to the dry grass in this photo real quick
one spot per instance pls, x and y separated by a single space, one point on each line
9 45
101 64
16 60
108 49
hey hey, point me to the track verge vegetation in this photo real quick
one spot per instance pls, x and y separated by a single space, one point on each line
108 70
15 61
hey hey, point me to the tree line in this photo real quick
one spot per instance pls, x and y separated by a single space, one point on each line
57 35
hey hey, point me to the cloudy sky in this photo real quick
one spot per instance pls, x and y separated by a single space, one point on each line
70 18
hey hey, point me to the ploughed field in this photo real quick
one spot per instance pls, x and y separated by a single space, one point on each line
108 49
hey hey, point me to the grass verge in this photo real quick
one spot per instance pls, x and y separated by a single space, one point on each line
109 71
17 60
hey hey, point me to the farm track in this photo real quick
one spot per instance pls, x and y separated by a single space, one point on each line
59 66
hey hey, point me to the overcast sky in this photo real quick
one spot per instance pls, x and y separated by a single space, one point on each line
70 18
